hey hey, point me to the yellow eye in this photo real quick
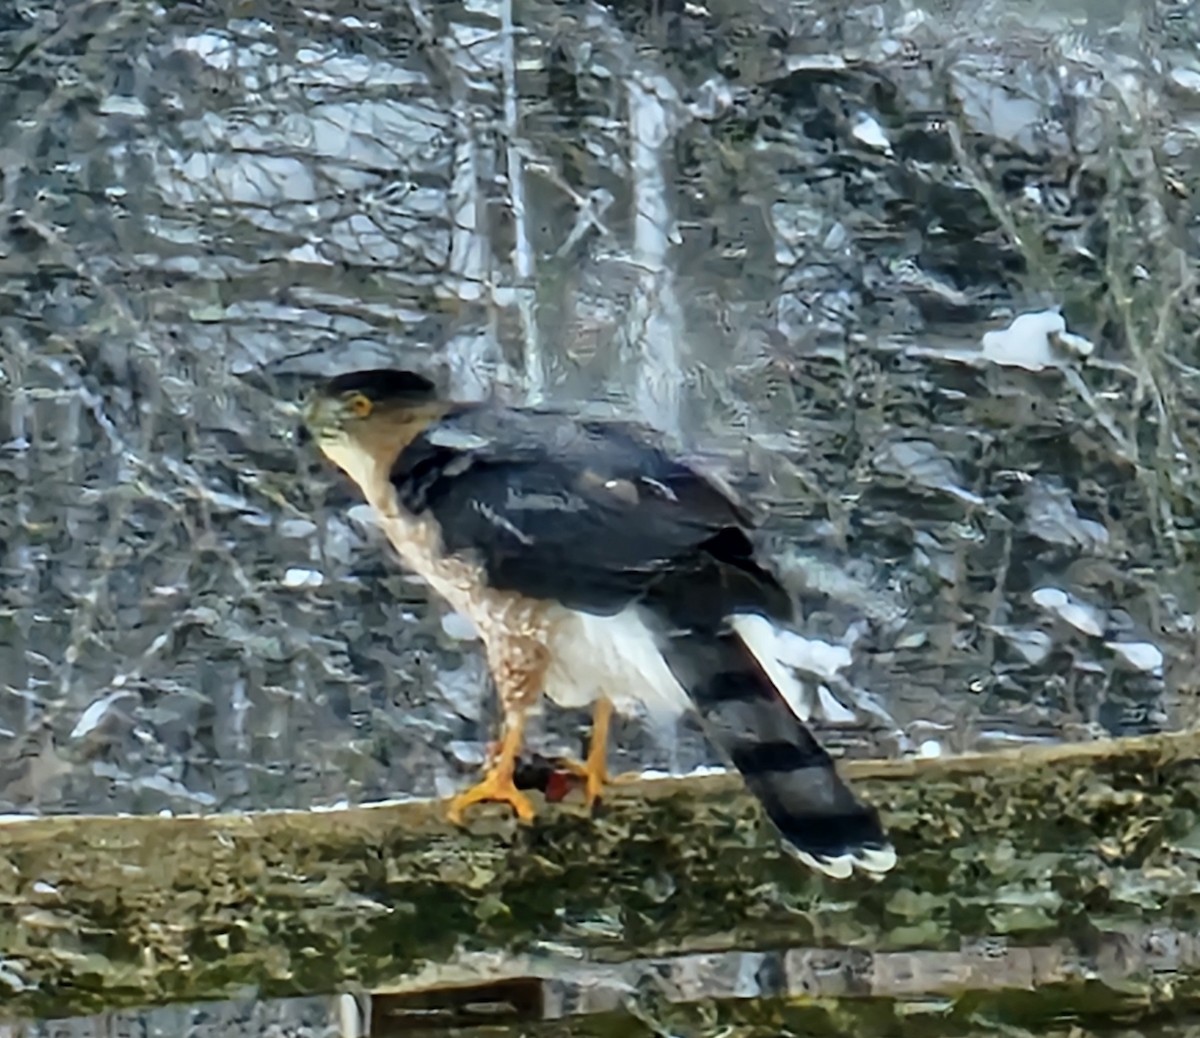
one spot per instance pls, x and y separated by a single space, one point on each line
360 406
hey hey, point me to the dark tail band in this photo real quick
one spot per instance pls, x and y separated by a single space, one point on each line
783 765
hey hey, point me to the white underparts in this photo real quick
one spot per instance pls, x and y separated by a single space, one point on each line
615 657
762 638
781 653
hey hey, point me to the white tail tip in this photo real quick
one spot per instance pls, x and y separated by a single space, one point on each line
872 860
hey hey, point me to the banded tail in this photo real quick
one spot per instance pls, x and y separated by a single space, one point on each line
733 678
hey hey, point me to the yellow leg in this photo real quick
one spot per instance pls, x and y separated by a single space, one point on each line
594 770
497 783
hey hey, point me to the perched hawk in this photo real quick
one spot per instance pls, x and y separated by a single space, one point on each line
598 570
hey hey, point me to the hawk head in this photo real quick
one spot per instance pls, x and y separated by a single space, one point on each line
363 419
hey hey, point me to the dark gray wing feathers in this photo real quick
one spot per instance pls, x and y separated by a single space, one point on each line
588 514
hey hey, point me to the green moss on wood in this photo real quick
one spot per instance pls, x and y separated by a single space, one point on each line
1041 845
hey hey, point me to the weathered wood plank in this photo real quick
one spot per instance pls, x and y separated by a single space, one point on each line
1045 845
1133 976
1076 1011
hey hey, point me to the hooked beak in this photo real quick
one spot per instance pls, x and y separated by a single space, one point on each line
309 420
318 418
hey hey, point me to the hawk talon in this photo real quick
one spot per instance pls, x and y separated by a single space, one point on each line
497 786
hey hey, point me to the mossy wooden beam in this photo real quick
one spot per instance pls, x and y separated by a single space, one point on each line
1044 845
1079 1010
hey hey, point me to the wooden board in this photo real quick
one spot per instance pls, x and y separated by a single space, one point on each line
1054 845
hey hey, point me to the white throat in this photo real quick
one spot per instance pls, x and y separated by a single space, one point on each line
357 463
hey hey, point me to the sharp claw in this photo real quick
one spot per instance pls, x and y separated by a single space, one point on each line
497 784
496 787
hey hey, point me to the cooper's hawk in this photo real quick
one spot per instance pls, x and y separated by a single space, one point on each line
599 570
